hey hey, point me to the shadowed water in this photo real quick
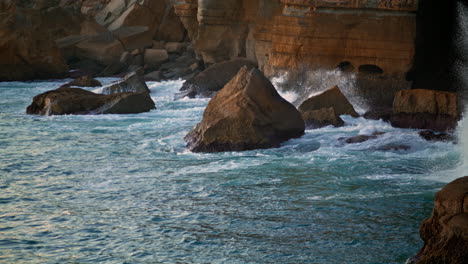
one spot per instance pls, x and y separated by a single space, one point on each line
123 189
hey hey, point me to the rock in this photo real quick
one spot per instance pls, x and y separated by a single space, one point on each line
321 118
384 113
175 47
246 114
103 48
434 136
425 109
155 57
285 34
132 82
76 101
331 98
84 81
154 76
445 233
136 37
159 44
26 49
361 138
171 28
211 80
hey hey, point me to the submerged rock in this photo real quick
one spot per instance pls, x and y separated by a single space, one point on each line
445 234
425 109
246 114
84 81
361 138
214 78
76 101
434 136
132 82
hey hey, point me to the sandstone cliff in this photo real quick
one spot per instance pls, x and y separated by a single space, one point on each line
366 36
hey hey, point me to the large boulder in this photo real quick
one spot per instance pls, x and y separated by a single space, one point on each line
246 114
76 101
332 97
445 234
325 109
214 78
132 82
425 109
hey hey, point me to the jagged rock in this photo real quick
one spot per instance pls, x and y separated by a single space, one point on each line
246 114
132 82
445 234
425 109
434 136
321 118
211 80
331 98
76 101
84 81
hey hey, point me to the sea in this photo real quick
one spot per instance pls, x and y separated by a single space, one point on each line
125 189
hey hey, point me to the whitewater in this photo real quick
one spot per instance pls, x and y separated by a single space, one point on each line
124 189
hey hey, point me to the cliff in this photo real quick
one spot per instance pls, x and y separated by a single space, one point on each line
363 35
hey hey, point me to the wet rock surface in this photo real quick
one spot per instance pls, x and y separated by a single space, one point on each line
76 101
445 233
246 114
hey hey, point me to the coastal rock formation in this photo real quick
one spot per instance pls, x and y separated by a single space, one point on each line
325 109
425 109
445 234
84 81
322 117
26 51
76 101
374 37
214 78
132 82
246 114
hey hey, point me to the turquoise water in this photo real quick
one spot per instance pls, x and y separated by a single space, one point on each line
123 189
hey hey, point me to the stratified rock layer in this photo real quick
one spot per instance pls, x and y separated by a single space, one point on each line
374 37
246 114
445 234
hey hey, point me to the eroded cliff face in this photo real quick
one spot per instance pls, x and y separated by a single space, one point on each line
363 35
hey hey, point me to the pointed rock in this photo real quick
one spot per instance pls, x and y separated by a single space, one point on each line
246 114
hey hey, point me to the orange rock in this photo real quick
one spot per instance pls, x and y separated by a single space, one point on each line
445 234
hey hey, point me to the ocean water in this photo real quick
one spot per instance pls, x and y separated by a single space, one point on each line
123 189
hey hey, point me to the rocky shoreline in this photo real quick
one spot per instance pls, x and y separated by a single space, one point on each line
227 51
